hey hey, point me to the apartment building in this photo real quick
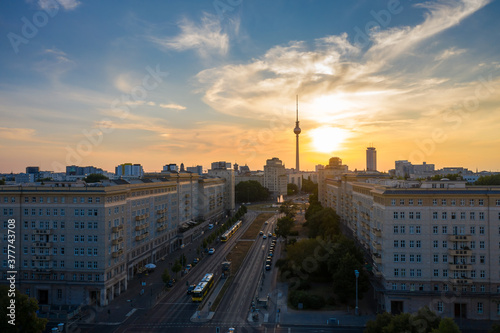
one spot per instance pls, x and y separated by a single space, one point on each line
435 243
275 178
81 244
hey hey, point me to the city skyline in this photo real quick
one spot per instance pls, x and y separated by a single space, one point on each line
104 84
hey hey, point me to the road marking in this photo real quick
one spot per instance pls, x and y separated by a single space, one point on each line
130 312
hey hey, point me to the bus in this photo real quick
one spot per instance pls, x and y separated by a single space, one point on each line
203 287
231 231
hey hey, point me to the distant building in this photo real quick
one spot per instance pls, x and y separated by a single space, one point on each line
275 177
196 169
170 168
371 159
73 170
333 170
129 170
222 165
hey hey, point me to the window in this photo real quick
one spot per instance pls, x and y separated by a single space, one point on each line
393 202
401 202
439 306
481 244
462 215
402 243
481 216
396 229
417 229
482 274
444 229
419 202
479 307
473 244
403 257
412 272
453 216
396 257
419 258
412 243
471 202
394 286
435 244
434 202
419 243
443 202
436 258
396 243
472 230
453 202
402 229
403 272
434 215
444 216
481 230
435 229
410 215
436 273
445 258
481 202
412 230
482 259
402 215
395 215
419 272
445 244
412 258
396 271
410 202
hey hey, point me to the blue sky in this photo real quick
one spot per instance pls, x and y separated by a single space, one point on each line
156 82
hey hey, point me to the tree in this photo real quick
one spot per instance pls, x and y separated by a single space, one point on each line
288 208
165 276
309 186
292 189
323 222
94 178
376 326
176 267
447 325
494 329
344 280
284 226
25 316
251 191
488 180
2 181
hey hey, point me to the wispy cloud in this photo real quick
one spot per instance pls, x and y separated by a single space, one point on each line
206 37
449 53
172 106
51 4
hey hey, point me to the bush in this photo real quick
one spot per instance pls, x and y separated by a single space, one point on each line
331 301
304 285
309 301
294 233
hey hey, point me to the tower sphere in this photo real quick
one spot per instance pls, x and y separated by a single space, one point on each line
296 130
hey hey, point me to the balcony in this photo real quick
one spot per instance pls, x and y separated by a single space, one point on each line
142 217
460 252
42 257
459 267
141 227
42 244
161 228
117 229
44 270
460 281
377 232
161 219
141 237
377 258
377 246
161 211
116 254
117 241
42 231
459 238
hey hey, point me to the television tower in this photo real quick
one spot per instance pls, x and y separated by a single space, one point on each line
297 131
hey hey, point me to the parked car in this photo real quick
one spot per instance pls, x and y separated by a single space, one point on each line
170 283
261 232
268 267
195 261
210 226
211 251
188 267
264 237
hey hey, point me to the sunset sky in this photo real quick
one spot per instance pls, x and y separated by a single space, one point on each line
157 82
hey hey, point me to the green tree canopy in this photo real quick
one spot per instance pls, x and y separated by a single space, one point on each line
424 321
488 180
2 181
165 276
323 222
25 313
176 267
94 178
309 186
288 208
284 226
251 191
344 280
447 325
292 189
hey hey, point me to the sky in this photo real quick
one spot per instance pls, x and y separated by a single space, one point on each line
158 82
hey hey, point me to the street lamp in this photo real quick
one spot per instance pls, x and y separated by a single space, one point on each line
356 273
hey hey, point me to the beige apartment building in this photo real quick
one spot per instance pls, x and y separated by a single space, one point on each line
78 244
434 243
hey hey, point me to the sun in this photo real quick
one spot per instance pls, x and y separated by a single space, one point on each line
327 139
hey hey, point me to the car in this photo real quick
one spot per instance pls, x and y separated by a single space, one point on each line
270 254
170 283
188 267
261 232
211 251
210 226
266 223
206 250
190 289
270 234
195 261
269 258
264 237
268 267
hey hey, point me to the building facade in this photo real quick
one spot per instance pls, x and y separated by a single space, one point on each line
431 243
275 177
371 159
81 244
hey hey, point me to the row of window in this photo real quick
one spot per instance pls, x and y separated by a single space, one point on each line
417 272
435 244
444 202
63 200
401 257
455 229
444 216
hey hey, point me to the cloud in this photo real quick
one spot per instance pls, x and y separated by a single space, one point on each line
52 4
17 134
172 106
451 52
339 81
207 38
